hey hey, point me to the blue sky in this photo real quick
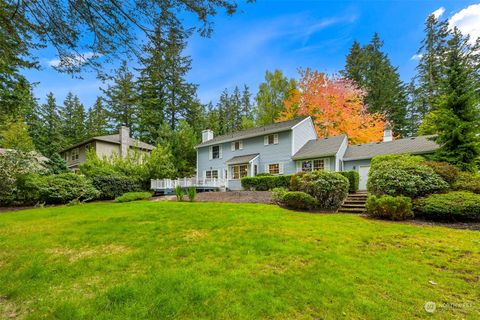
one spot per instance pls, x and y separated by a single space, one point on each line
286 35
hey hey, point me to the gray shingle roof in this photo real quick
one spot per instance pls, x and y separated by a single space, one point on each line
242 159
414 145
322 147
114 138
250 133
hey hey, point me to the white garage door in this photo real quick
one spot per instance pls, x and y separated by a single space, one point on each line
363 172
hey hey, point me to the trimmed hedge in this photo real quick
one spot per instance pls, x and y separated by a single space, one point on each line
403 175
452 206
329 188
389 207
468 182
298 200
133 196
112 186
58 189
266 182
353 180
278 193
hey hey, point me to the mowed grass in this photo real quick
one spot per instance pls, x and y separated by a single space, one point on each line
161 260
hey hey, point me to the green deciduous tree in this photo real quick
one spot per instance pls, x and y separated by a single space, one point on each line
14 135
271 96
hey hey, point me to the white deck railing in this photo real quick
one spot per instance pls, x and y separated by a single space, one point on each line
162 184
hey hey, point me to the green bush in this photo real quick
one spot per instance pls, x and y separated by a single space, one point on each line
112 186
278 193
353 180
266 182
449 173
133 196
329 188
191 193
389 207
179 193
298 200
468 182
452 206
403 175
59 188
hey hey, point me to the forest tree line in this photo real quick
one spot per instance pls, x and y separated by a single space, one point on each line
161 107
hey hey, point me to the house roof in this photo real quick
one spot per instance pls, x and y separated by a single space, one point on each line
250 133
114 138
242 159
322 147
414 145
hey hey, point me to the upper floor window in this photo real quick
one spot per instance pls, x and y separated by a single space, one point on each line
237 145
215 152
74 154
271 139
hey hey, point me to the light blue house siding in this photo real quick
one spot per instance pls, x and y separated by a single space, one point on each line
355 164
280 153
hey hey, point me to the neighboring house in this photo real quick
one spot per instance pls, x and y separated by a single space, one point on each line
119 144
292 146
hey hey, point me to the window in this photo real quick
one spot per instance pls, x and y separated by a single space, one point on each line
255 170
274 168
74 154
215 152
211 174
312 165
237 145
239 171
271 139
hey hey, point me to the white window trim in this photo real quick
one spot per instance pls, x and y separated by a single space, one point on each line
210 152
275 139
240 143
326 164
280 167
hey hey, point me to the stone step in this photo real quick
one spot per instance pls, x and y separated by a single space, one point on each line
354 201
353 205
351 210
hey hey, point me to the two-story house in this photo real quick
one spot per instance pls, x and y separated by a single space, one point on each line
104 146
293 146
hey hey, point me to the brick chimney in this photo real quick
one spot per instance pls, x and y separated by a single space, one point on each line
124 140
207 135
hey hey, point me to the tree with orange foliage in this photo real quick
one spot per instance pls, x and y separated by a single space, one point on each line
336 107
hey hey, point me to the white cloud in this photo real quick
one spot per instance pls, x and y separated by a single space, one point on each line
75 60
438 13
467 21
416 56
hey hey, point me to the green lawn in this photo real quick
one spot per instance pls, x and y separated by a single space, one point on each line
158 260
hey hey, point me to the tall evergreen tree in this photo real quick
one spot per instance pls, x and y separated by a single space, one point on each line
371 70
121 99
271 96
430 68
73 120
458 114
164 93
246 113
97 123
47 132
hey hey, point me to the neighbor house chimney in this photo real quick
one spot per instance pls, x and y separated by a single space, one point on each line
387 133
124 140
207 135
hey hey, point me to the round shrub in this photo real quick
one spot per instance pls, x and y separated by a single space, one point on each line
278 193
389 207
449 173
403 175
452 206
114 185
353 180
329 188
298 200
467 181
